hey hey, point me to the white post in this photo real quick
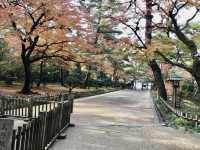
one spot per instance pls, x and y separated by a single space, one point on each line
196 121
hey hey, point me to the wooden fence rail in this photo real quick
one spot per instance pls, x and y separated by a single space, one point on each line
28 107
47 117
184 115
41 132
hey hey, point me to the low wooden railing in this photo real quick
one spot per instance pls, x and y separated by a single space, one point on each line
187 116
41 132
28 107
47 117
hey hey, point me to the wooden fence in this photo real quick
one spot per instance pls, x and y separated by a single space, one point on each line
41 132
184 115
28 107
48 118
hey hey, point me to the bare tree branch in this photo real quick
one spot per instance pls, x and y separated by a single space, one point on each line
174 63
55 56
134 29
190 19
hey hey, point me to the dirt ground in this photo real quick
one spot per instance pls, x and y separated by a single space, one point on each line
42 90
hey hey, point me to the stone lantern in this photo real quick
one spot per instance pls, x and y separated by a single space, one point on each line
175 80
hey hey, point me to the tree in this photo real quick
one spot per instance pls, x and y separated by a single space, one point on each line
132 16
152 62
105 38
102 25
41 74
46 30
170 23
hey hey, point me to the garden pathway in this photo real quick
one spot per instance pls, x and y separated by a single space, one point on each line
122 120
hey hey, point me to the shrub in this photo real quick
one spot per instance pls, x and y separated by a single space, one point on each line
188 87
180 122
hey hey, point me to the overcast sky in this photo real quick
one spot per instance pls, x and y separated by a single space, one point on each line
183 16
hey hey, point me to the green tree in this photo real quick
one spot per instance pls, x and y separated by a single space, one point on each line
180 30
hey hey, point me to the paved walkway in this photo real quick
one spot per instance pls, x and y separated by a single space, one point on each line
123 120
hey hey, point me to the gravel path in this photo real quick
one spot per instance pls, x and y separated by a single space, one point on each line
123 120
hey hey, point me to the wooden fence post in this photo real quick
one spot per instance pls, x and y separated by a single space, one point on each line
6 131
71 100
186 115
2 100
43 116
157 94
71 107
1 105
196 121
61 111
30 108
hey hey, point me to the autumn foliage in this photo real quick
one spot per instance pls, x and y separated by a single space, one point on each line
45 30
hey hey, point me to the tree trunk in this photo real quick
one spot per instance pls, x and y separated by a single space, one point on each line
87 80
198 83
41 74
79 74
116 81
196 72
158 79
152 63
148 26
27 77
62 77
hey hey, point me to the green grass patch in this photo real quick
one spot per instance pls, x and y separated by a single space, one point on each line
190 106
175 121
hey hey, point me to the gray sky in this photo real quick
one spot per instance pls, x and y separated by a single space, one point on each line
182 18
